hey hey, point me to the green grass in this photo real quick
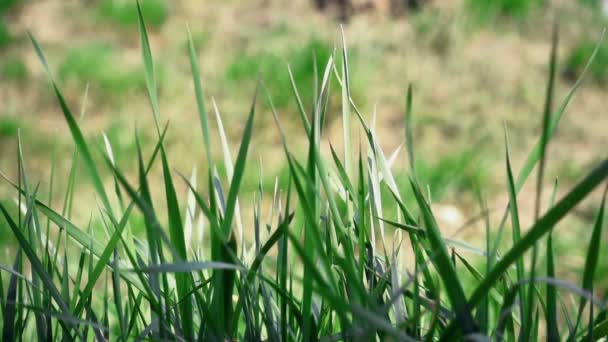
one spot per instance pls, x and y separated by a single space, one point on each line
13 69
99 65
319 267
5 36
487 10
124 12
9 125
271 68
7 4
577 57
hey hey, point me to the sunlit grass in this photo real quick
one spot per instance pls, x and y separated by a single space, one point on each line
323 263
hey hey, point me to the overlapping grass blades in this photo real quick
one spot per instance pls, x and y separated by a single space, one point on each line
322 265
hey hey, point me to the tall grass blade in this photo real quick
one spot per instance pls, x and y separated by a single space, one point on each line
9 313
76 133
534 155
530 302
409 138
37 265
200 99
551 293
591 260
176 232
543 225
229 172
239 170
445 267
146 54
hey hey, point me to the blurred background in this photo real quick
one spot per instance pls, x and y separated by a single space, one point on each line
474 65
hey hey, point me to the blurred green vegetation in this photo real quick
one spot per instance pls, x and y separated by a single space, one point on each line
592 3
5 36
487 10
458 173
199 39
98 64
9 126
13 69
273 71
7 4
124 12
578 57
120 136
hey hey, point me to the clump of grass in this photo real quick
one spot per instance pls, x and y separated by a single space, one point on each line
486 11
321 264
124 12
98 64
594 4
5 36
577 57
9 125
301 59
13 69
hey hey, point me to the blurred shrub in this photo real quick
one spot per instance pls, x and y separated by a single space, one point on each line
578 57
97 64
124 12
486 10
13 69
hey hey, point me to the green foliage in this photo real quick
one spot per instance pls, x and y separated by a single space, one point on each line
120 137
460 172
594 4
124 12
9 125
5 35
199 40
453 176
5 5
578 56
487 10
99 65
319 265
273 71
13 69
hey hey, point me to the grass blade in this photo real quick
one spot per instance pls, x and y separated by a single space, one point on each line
229 171
591 261
541 227
409 138
445 267
176 233
552 324
239 170
146 54
200 99
76 134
